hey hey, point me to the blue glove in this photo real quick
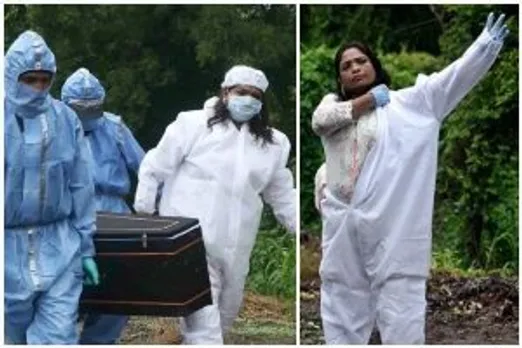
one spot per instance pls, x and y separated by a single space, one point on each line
381 95
499 30
92 277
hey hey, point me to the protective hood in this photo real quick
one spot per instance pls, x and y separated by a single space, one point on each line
29 52
84 93
82 85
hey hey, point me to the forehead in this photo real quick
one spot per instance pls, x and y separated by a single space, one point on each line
246 89
37 74
351 54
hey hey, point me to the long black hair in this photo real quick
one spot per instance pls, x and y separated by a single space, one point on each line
381 76
257 126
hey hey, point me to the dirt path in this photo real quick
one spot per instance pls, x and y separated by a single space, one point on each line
263 320
461 310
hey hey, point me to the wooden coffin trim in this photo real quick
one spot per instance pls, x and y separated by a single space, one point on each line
141 254
149 303
136 217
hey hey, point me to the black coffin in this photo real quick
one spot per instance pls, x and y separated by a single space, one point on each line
149 265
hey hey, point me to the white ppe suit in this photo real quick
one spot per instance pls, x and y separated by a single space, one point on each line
319 186
376 249
218 175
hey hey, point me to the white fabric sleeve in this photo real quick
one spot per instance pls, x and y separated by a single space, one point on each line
331 115
280 193
161 162
442 91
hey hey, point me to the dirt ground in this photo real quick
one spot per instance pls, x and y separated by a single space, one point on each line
461 310
263 320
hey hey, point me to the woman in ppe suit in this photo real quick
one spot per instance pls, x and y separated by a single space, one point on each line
377 232
49 202
115 153
217 164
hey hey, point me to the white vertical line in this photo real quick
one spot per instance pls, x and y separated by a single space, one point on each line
298 174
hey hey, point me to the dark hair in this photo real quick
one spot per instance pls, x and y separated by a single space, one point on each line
381 76
258 125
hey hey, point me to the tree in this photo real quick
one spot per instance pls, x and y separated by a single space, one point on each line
158 60
478 176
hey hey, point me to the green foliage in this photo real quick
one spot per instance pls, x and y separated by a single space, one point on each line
393 28
316 81
476 211
449 260
477 190
404 67
272 264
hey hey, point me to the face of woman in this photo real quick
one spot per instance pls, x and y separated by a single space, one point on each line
243 102
356 71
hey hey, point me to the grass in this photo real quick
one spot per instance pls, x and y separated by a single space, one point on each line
263 320
272 264
448 260
247 331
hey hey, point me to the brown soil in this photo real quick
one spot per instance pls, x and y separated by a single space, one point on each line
263 320
461 310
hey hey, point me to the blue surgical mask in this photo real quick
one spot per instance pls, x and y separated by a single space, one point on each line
31 102
243 107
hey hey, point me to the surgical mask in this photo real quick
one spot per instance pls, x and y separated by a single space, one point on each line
31 102
90 124
89 112
243 108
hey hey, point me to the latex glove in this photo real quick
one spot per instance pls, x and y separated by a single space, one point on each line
92 277
499 30
381 95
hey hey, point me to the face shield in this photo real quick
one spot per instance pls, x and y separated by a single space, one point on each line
87 109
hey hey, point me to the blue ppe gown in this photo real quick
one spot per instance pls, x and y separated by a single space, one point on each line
49 204
116 153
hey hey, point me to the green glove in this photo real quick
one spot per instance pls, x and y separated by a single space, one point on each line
92 277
